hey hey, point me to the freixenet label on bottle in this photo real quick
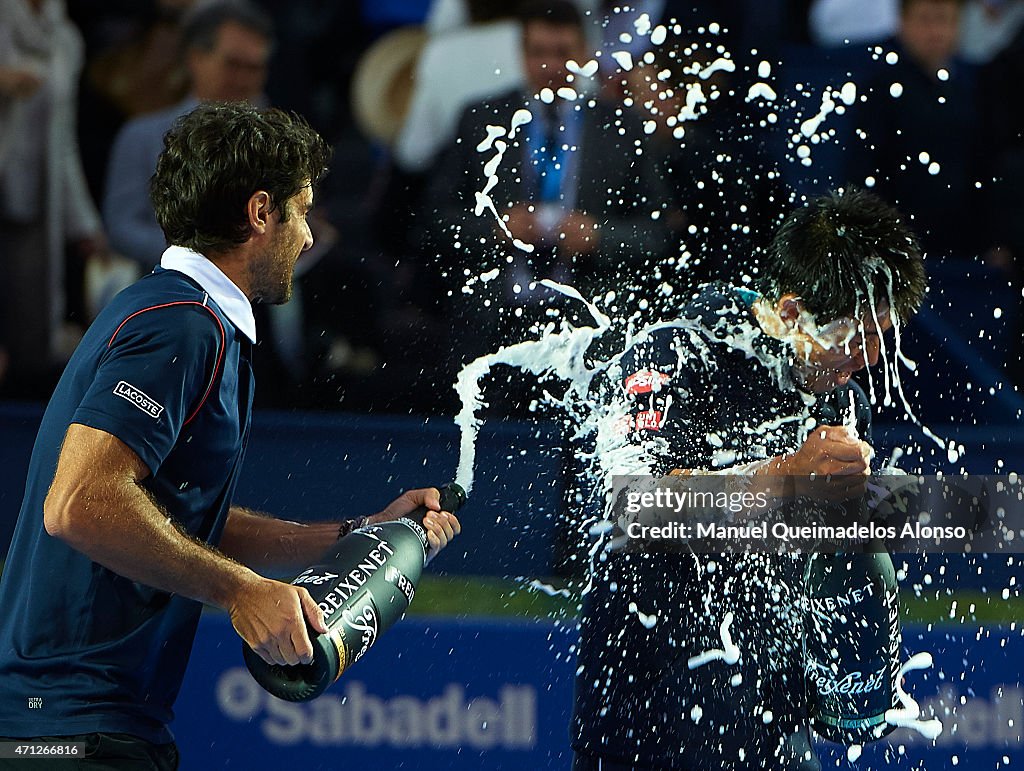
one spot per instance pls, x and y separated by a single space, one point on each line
846 600
852 645
355 579
363 588
363 620
850 684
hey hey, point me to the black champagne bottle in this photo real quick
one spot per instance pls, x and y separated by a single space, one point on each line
852 644
363 588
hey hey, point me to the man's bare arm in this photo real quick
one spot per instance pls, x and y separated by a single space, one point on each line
97 506
278 546
275 546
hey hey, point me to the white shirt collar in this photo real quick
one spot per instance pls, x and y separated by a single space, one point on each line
225 293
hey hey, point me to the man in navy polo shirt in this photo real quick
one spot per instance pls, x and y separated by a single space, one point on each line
127 526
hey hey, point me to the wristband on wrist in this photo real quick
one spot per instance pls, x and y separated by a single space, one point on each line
349 525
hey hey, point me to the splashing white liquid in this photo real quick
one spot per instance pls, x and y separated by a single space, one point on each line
519 118
559 354
587 70
898 359
694 98
642 25
810 126
720 64
648 620
908 714
484 202
623 59
493 132
548 589
761 91
729 652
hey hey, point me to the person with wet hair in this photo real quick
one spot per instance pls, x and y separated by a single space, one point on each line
753 383
838 251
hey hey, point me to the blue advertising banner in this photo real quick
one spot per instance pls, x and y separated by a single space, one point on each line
432 694
496 696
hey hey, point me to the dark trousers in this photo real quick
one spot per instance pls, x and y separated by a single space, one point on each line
104 752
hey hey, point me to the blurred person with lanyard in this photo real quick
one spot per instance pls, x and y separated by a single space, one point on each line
573 184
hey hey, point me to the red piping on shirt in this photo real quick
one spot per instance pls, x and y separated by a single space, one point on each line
220 354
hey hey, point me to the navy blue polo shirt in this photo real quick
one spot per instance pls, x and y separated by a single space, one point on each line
83 649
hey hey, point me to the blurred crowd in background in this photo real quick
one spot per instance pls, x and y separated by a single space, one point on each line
659 166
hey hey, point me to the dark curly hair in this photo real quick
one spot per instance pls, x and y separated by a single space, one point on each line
840 249
216 157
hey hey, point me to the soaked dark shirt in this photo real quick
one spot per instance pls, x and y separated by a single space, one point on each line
713 393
